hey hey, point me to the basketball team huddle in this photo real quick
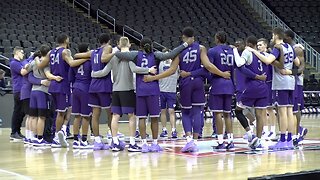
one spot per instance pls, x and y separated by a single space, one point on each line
267 85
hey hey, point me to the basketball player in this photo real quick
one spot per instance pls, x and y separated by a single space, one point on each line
31 125
299 100
191 89
262 46
123 96
222 89
255 94
100 88
168 98
81 77
60 60
283 86
241 74
148 93
39 97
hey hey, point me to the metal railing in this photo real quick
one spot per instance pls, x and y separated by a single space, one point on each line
126 30
82 3
156 45
312 56
107 18
3 65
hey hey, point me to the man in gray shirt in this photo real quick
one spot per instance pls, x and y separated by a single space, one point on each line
123 96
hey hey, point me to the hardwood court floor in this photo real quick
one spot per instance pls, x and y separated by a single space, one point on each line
18 161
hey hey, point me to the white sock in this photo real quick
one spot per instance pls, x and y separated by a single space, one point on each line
265 129
32 135
249 134
97 139
220 138
144 141
164 129
132 141
26 132
298 135
173 129
252 128
189 138
64 129
230 137
55 135
115 140
273 129
155 141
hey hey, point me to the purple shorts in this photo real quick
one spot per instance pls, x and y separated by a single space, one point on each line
148 105
283 97
192 94
39 103
123 102
220 102
80 103
259 103
270 97
61 101
168 100
100 100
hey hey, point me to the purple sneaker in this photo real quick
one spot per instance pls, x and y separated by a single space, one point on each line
145 148
100 146
303 132
117 147
230 147
62 139
134 148
76 145
86 145
220 148
174 134
155 148
26 141
252 137
279 146
289 145
137 134
164 133
190 147
39 142
55 143
272 136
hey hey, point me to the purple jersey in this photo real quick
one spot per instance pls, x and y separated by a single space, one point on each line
26 85
146 88
59 67
103 84
222 56
256 88
15 67
189 60
81 76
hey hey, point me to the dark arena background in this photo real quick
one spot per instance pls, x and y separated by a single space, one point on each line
25 25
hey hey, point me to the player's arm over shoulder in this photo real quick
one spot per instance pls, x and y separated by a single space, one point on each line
66 55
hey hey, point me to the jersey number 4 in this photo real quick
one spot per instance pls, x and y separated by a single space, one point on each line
80 70
190 56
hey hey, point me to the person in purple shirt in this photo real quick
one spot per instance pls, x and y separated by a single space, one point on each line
100 89
222 90
17 73
256 93
60 60
191 89
148 93
81 77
